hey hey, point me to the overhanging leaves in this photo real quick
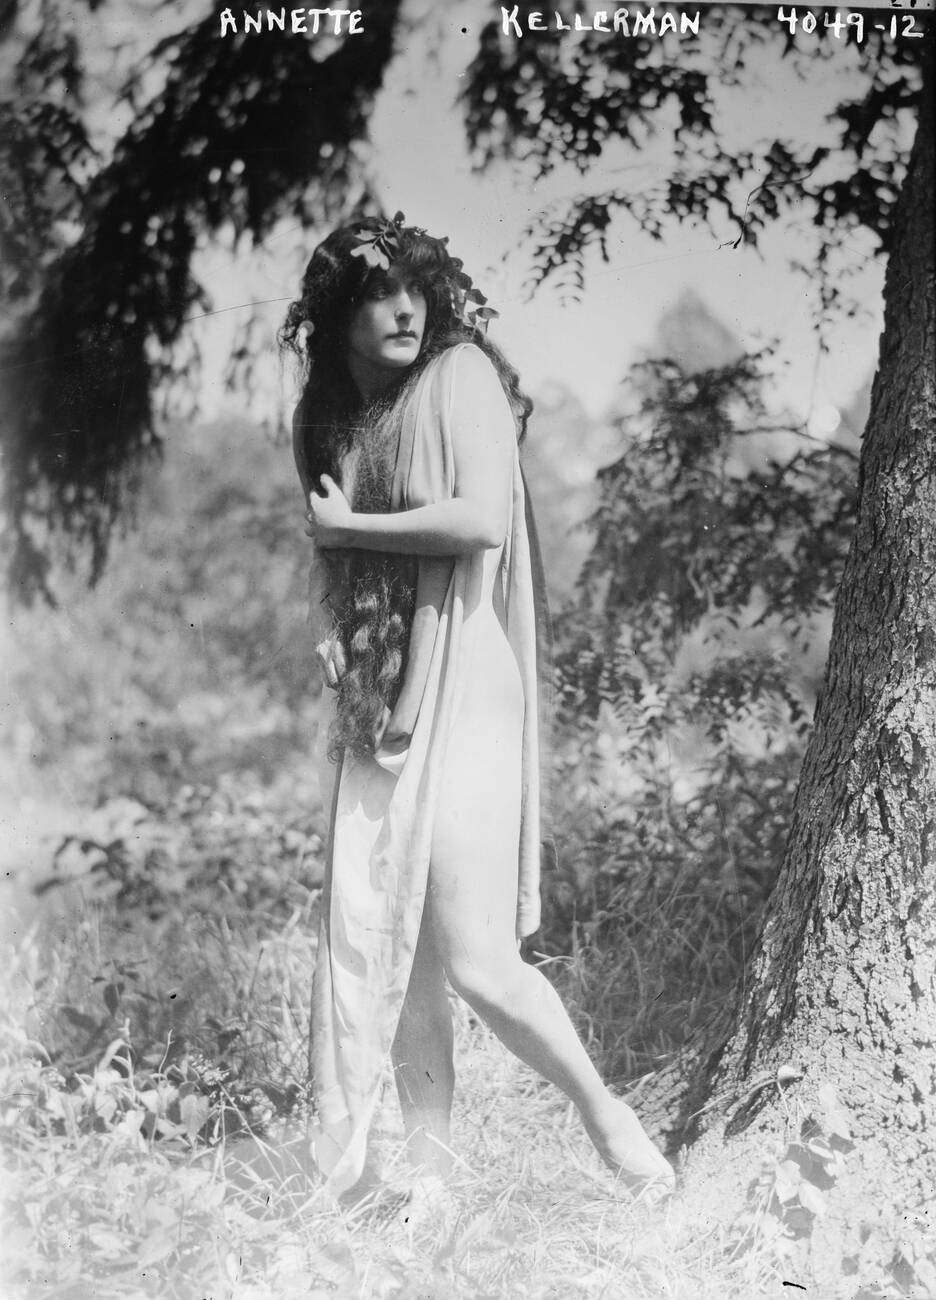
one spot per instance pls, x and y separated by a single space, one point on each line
243 132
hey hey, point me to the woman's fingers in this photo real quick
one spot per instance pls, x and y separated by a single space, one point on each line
328 668
331 655
328 514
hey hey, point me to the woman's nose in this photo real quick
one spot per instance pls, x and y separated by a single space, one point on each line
403 306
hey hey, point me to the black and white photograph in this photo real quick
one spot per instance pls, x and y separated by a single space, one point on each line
468 732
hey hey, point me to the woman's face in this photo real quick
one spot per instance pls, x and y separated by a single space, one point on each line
387 327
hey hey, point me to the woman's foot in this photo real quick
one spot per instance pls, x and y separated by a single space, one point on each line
426 1202
636 1161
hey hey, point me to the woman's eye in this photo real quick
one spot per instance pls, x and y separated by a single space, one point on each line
378 292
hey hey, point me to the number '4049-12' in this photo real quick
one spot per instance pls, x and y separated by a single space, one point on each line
837 24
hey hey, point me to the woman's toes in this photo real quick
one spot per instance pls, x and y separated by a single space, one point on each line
634 1159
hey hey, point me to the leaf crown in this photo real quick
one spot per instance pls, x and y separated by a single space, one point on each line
380 244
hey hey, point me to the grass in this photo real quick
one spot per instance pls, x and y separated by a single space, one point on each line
532 1215
154 1141
153 1045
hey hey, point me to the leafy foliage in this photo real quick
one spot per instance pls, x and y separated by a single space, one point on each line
45 154
111 1190
241 133
686 663
230 134
139 1060
702 528
548 101
660 895
226 847
208 667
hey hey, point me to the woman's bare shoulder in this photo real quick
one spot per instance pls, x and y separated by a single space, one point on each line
468 356
468 367
464 381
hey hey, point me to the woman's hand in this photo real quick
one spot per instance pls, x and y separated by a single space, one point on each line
332 658
328 519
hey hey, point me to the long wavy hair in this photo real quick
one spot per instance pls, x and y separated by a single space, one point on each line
332 419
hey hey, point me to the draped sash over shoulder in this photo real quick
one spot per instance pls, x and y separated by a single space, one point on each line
383 808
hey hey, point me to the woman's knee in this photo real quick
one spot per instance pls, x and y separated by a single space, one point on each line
485 979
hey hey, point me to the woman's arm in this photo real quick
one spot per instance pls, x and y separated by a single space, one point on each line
443 528
475 518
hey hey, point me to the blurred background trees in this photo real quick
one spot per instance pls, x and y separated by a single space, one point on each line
99 242
115 178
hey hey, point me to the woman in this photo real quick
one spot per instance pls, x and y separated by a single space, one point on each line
426 590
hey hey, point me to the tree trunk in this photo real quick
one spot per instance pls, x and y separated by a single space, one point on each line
840 997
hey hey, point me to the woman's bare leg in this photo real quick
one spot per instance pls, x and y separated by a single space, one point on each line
472 908
422 1060
524 1010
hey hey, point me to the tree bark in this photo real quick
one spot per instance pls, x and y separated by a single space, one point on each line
846 957
840 997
